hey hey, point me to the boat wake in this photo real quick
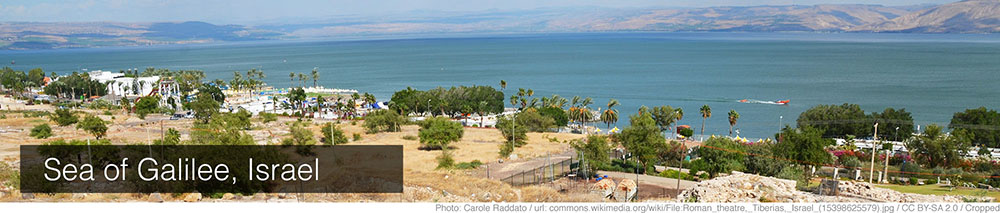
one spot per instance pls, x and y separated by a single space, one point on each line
775 102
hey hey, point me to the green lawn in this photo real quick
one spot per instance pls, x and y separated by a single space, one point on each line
934 189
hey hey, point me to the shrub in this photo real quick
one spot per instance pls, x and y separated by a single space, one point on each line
9 177
913 181
931 181
357 136
514 131
383 121
107 112
794 172
849 161
719 161
910 169
332 135
686 132
267 117
670 173
146 105
410 138
439 132
445 161
760 160
64 117
41 131
469 165
93 125
301 136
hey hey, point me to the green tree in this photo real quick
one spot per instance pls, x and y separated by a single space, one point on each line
557 114
146 105
643 139
760 159
733 117
333 135
315 75
383 121
594 149
610 115
721 155
706 112
935 148
980 123
171 137
222 129
439 132
93 125
837 120
126 105
896 124
41 131
64 117
298 96
805 145
535 122
665 116
299 135
204 107
36 76
514 131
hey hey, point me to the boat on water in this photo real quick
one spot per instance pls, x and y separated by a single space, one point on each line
775 102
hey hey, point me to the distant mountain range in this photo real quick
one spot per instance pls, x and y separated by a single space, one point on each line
970 16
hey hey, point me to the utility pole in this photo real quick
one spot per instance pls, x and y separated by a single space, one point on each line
871 172
679 171
780 118
885 173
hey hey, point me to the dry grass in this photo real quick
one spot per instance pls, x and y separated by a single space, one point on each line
422 181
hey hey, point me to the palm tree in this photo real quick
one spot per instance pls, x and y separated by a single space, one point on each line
513 100
291 76
315 75
610 115
302 79
733 116
503 85
483 105
706 112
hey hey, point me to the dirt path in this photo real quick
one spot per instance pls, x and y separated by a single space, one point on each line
652 180
507 169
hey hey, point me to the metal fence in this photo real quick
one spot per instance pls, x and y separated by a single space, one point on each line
542 174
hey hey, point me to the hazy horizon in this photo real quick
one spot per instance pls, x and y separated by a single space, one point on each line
264 12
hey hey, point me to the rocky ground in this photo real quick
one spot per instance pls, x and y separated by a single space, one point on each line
740 187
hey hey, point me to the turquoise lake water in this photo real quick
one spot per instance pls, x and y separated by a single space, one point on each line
932 76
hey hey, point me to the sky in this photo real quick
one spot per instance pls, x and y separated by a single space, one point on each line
262 11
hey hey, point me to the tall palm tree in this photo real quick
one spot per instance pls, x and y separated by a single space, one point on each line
315 75
513 100
291 77
503 85
733 116
302 79
678 115
610 115
706 112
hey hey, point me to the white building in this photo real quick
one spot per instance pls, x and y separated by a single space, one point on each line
119 85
